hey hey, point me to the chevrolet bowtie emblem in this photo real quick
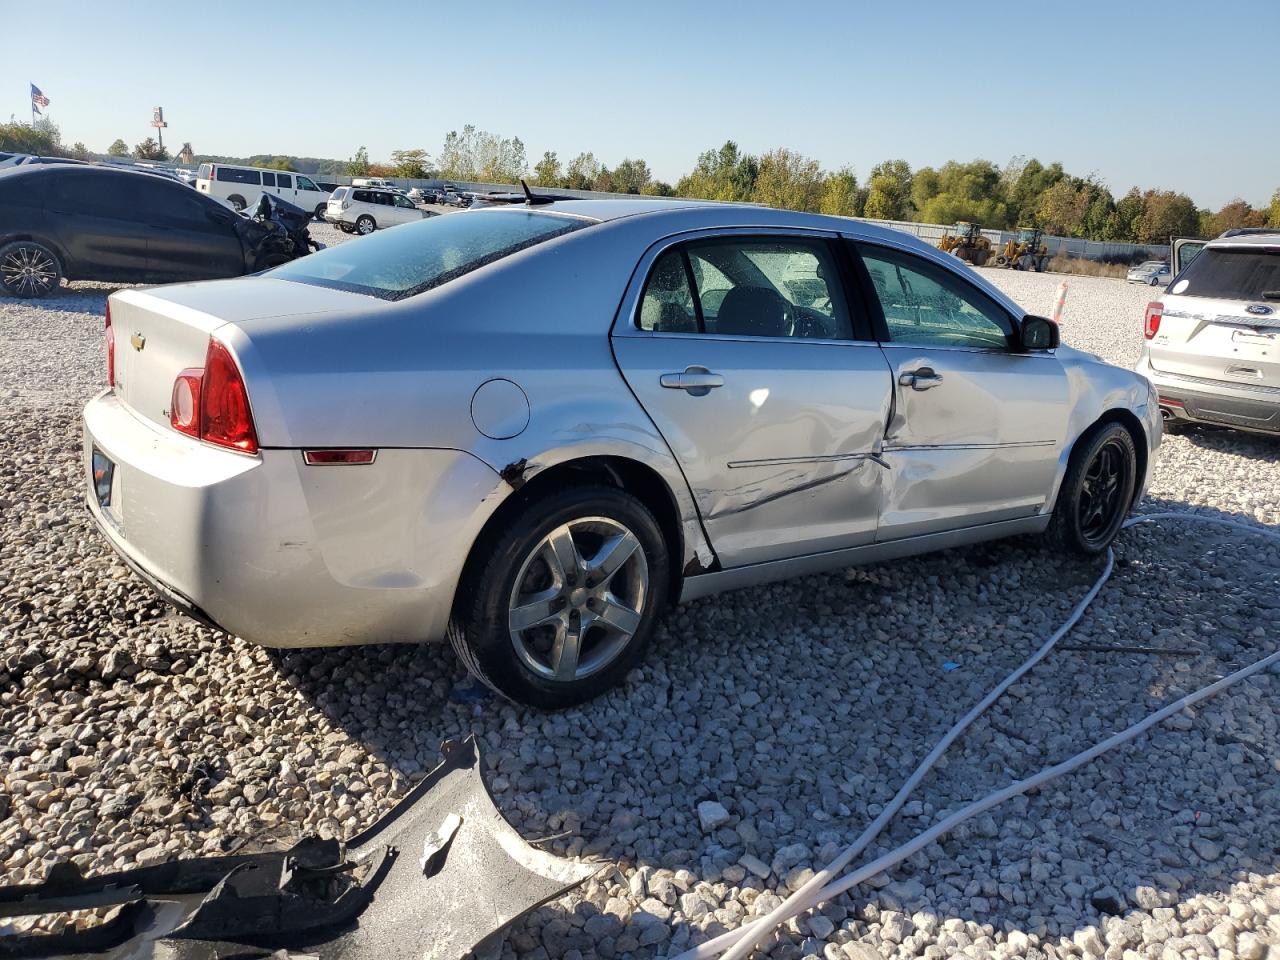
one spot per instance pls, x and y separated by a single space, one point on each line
138 341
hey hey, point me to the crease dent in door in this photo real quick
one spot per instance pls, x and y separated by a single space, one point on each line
760 491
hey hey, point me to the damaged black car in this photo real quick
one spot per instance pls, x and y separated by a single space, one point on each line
82 222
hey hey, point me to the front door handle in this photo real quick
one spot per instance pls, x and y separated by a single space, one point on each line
695 381
922 379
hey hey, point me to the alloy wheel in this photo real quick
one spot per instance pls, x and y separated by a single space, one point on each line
28 271
1101 492
578 598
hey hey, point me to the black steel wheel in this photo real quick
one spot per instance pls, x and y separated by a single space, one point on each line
1097 491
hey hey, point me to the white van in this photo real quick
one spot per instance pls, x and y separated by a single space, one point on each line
242 186
381 182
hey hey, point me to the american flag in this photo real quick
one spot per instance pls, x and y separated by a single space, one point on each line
38 99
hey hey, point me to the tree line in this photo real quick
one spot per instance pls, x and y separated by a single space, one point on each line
1024 192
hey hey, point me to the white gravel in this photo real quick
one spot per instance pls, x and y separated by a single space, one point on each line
765 729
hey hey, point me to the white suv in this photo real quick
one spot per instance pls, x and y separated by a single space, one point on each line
364 210
1212 345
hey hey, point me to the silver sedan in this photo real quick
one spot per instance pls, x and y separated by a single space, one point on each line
529 428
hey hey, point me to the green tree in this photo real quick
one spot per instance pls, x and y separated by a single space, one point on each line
724 174
80 151
582 172
479 155
1273 214
889 191
840 194
658 188
1234 215
960 191
547 172
1167 214
1063 208
279 163
1130 210
1023 193
118 149
148 149
630 176
358 165
411 164
41 139
788 180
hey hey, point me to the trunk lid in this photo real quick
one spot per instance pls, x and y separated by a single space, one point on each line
1221 319
162 331
1218 340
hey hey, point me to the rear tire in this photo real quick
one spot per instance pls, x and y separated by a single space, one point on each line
1097 491
559 603
29 269
237 202
320 209
365 225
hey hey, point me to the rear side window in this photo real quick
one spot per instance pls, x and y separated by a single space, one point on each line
416 257
340 193
284 180
233 175
268 179
1232 273
362 196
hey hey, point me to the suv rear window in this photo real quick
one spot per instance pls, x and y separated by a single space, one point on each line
416 257
1232 273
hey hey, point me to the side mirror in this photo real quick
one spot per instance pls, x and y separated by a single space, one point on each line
1038 333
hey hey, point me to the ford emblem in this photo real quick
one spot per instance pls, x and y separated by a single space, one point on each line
1259 310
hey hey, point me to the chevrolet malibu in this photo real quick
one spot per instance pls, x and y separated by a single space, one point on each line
529 428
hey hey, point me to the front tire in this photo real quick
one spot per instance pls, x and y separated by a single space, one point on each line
365 225
320 211
29 269
1097 491
559 603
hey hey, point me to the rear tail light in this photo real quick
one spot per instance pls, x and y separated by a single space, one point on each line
1151 325
110 337
184 405
212 404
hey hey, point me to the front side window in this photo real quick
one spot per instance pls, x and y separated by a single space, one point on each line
268 179
415 257
284 180
405 202
748 287
924 304
305 184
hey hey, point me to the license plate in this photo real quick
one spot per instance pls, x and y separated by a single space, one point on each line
103 475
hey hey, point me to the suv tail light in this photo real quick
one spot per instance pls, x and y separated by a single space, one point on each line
211 402
1151 324
110 336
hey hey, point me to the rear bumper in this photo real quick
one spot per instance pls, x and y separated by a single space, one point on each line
281 553
1256 409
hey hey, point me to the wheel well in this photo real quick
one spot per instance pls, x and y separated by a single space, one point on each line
642 482
1130 422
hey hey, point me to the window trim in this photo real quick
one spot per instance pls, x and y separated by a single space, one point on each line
880 326
627 321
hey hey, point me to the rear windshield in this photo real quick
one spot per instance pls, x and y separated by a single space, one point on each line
1240 273
409 259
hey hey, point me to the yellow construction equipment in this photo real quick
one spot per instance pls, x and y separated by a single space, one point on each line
1026 252
967 243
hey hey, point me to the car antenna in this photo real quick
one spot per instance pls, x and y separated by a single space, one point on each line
532 198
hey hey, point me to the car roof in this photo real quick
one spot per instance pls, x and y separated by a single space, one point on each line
1269 238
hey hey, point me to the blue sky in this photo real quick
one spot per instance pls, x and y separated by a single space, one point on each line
1154 94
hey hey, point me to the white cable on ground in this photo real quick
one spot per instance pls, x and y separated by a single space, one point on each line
739 943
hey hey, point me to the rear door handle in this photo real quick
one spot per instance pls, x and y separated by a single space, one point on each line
922 379
696 381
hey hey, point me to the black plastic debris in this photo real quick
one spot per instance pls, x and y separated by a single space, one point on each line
440 873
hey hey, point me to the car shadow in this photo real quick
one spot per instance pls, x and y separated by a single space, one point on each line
800 707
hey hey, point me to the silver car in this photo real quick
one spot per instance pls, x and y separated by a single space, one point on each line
530 428
1154 273
1212 344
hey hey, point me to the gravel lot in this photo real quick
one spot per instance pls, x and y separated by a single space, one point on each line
129 734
